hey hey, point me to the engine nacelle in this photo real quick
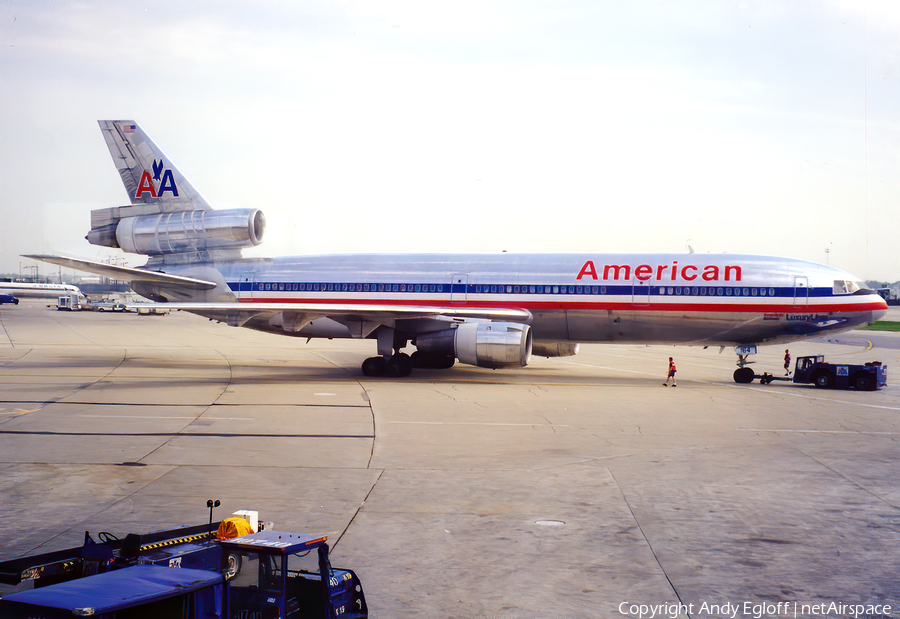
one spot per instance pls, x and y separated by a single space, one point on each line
185 231
485 344
554 349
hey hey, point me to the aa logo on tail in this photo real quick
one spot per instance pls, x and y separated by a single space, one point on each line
160 174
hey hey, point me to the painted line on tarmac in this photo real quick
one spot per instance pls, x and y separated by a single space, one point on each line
605 367
818 431
481 423
201 418
180 434
809 397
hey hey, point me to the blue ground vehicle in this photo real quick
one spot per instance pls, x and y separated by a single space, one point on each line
8 298
814 369
185 574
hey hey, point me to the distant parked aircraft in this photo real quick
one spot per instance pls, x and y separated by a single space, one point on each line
40 291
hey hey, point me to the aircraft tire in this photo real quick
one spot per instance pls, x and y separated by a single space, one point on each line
374 366
744 375
399 365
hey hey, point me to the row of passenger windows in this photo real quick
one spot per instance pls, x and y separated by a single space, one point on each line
702 291
355 287
717 292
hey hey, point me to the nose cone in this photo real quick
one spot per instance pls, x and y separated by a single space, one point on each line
879 310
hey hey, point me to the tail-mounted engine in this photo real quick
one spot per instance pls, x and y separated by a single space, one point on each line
181 231
485 344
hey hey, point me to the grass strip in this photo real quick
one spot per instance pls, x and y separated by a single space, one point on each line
883 325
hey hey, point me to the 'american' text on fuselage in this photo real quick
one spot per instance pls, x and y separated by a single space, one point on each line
644 272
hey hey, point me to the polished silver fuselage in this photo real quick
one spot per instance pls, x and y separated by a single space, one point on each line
721 299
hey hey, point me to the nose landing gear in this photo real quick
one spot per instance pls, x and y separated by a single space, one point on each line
744 374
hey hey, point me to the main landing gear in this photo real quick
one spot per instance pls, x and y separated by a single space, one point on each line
400 364
395 364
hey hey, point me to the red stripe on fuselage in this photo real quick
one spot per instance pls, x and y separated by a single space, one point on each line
576 305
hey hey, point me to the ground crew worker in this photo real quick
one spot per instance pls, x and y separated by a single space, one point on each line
671 373
787 362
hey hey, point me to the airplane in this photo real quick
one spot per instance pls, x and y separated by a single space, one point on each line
485 310
37 291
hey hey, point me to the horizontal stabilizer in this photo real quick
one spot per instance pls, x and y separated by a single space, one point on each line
125 273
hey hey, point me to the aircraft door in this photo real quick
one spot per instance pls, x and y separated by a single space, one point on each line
459 285
801 291
248 283
640 292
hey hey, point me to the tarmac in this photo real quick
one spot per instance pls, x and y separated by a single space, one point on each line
574 487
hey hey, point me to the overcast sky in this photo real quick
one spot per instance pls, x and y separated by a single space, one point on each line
746 127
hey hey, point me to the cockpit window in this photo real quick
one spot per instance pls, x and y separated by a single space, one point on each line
845 286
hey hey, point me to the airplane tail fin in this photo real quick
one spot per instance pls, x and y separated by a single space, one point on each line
148 175
167 218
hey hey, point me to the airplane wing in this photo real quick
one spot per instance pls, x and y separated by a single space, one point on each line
369 312
372 314
124 273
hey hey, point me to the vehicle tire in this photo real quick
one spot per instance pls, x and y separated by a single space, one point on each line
823 379
864 381
399 365
374 366
744 375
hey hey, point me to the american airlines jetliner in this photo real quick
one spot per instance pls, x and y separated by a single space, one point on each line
487 310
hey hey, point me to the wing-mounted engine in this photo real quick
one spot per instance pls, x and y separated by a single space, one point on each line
485 344
179 232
